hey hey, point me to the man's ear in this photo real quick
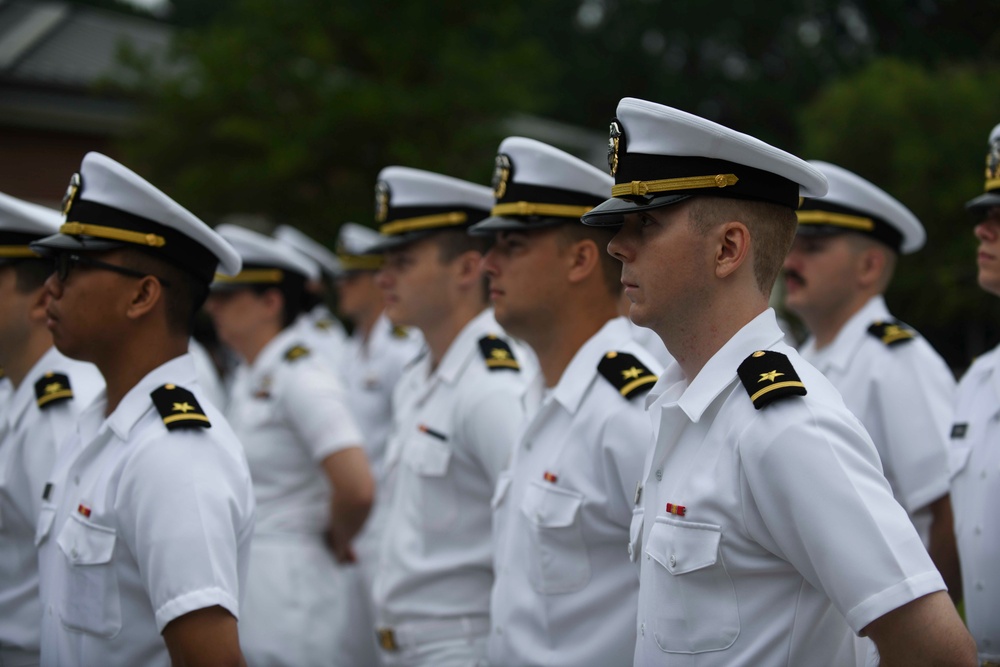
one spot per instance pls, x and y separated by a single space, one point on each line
39 302
584 258
871 264
733 248
147 293
467 268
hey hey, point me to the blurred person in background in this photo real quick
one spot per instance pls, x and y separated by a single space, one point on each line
310 474
841 262
47 391
456 411
975 441
374 357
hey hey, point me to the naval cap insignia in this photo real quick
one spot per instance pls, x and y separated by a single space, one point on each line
614 141
381 201
501 175
75 183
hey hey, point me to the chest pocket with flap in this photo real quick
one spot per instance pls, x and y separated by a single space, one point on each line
559 562
90 601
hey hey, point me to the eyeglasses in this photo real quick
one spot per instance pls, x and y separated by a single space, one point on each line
65 261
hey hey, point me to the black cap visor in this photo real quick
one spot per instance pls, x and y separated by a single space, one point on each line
612 212
981 205
57 243
499 223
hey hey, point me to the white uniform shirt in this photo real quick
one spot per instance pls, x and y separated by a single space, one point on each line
903 395
565 592
29 438
975 497
208 375
322 333
788 526
453 430
143 525
370 370
290 414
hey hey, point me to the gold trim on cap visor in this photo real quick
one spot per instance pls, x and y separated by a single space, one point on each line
639 188
17 251
360 262
113 233
835 219
423 222
992 184
252 276
529 208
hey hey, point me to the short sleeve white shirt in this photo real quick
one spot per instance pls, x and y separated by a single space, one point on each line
565 592
29 438
453 430
902 394
323 334
975 497
290 414
143 525
789 538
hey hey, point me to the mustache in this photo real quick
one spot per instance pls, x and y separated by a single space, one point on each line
795 276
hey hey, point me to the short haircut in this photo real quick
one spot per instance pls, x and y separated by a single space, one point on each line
610 266
772 230
31 274
453 243
862 242
183 297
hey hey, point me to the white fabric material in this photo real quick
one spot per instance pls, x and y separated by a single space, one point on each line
17 215
416 187
29 439
849 190
902 394
261 250
975 496
168 531
112 184
318 252
289 415
539 164
324 335
790 528
370 370
354 239
565 592
655 129
208 375
453 430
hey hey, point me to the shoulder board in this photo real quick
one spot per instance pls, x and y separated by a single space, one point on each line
626 374
891 333
296 352
769 376
498 354
400 332
179 408
52 388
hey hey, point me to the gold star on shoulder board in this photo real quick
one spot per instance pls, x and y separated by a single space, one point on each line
53 388
769 376
183 407
631 373
500 354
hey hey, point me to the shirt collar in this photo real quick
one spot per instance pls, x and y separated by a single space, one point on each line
465 345
694 398
582 368
137 402
839 353
272 353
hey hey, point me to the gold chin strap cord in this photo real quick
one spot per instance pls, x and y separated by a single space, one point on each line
17 251
835 219
252 276
525 208
113 233
639 188
423 222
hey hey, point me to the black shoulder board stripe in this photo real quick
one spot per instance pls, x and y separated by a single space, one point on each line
769 376
296 352
626 374
52 388
958 431
179 408
891 333
498 354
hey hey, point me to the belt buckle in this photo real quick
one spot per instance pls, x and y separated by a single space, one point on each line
387 639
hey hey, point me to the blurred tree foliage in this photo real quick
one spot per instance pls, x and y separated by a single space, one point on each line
921 134
290 109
